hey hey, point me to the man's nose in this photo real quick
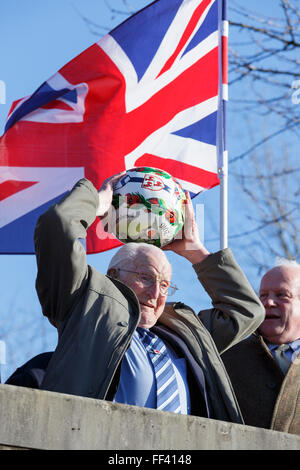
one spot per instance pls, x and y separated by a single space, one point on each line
154 289
270 300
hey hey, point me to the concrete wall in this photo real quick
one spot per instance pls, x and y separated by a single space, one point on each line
33 419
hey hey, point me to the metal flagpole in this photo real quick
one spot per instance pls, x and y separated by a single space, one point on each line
223 174
221 125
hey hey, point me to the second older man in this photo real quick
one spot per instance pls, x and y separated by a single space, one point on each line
265 368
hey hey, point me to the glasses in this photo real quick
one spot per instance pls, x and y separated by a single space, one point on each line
148 280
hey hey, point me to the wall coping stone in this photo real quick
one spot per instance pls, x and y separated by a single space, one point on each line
37 419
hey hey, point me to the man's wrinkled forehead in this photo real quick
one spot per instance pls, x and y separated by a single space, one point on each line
282 277
153 261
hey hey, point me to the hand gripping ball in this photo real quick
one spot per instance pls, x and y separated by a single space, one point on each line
149 206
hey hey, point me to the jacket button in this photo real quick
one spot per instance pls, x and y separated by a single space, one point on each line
271 385
122 323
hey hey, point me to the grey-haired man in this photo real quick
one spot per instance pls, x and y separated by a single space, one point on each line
102 321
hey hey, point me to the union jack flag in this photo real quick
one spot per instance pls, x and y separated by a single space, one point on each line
150 93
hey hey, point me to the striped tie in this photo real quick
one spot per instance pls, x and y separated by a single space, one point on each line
166 382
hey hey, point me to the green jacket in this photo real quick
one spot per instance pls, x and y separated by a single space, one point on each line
96 316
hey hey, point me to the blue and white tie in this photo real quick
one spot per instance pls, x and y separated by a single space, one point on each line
166 382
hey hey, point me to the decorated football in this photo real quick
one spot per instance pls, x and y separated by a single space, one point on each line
149 206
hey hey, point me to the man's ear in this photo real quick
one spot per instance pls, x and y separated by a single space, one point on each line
113 272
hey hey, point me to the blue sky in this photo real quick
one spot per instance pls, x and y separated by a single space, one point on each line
36 39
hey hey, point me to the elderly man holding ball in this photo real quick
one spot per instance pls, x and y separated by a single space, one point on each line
118 337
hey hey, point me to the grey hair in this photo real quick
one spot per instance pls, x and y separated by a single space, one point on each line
289 263
286 262
129 252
